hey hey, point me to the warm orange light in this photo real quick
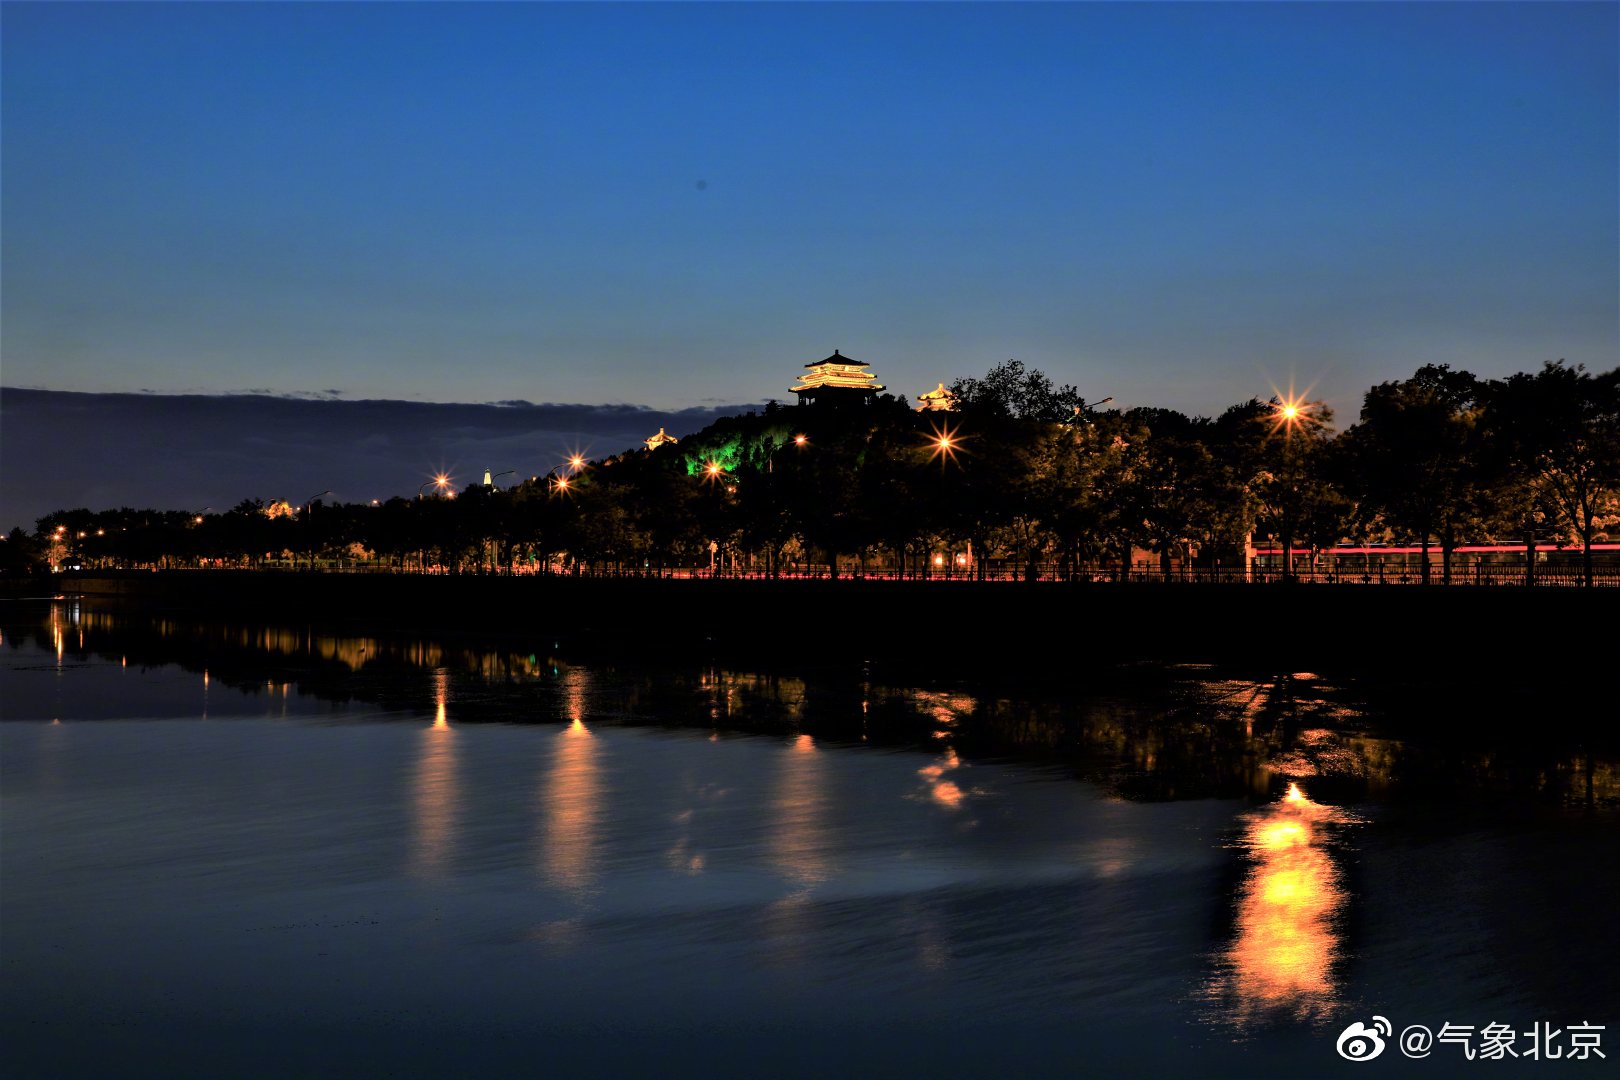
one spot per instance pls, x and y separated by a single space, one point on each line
577 462
1292 410
436 789
713 468
199 519
800 440
945 444
1282 959
562 483
572 799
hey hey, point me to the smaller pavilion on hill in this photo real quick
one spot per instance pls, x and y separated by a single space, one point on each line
837 378
938 399
655 441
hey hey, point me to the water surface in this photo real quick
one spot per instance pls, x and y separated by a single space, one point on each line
261 850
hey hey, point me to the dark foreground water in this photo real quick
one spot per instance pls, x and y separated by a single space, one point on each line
244 850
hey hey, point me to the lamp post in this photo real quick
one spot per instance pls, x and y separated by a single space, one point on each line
1083 410
196 519
309 523
1288 414
800 441
440 481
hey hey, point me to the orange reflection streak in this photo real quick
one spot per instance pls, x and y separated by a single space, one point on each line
1282 959
943 791
795 840
436 789
441 698
572 796
574 688
797 849
571 801
948 710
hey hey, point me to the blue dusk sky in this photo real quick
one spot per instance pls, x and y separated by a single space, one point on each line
677 206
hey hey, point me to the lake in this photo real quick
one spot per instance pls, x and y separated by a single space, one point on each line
238 849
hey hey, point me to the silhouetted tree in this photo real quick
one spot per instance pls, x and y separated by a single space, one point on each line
1553 441
1412 455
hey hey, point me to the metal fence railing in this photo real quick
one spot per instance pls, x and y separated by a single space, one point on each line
1560 576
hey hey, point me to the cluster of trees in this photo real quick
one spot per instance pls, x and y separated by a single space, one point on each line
1022 471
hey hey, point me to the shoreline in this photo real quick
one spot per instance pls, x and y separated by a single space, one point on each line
1563 634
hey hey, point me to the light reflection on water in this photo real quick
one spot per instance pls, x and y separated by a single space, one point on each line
1192 733
941 789
571 812
559 855
436 789
1281 961
797 834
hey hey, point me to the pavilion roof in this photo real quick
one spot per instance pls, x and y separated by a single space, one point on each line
836 358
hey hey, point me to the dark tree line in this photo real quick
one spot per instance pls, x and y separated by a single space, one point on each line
1023 472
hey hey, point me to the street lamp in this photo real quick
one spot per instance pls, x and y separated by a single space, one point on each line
309 525
441 481
1288 414
489 480
944 444
1083 410
799 442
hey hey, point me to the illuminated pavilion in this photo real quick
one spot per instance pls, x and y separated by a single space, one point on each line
655 441
837 378
937 400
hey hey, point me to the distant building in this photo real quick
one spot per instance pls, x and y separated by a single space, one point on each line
937 400
655 441
837 378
